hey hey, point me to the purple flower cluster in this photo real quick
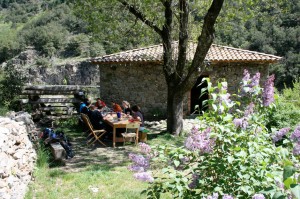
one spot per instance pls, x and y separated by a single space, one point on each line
296 135
140 163
249 110
268 94
200 140
279 134
144 176
214 196
258 196
145 148
224 98
250 85
241 122
194 182
296 150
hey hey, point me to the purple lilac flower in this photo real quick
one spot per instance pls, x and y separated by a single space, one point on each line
214 196
250 109
144 176
242 122
246 75
268 94
258 196
249 85
224 98
296 150
194 182
226 196
255 80
296 135
279 134
136 168
139 160
145 148
198 140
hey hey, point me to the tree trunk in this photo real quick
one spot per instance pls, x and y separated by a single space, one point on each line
174 111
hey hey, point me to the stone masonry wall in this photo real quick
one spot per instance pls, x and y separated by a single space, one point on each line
144 84
140 84
233 73
17 155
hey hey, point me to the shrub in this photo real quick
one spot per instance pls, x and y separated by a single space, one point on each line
11 86
287 112
230 154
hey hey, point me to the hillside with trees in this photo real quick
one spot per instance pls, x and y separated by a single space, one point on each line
52 28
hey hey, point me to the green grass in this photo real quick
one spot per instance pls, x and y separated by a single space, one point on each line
117 182
111 180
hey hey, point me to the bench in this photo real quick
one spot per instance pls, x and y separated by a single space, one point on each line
53 99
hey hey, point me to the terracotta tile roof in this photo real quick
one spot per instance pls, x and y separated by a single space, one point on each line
215 54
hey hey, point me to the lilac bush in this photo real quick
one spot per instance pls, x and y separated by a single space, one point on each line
231 155
279 134
268 94
200 141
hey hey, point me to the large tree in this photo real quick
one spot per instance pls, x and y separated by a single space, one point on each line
171 20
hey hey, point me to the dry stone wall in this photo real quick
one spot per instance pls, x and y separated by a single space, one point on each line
17 155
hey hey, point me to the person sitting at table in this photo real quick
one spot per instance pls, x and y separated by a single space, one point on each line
100 103
96 118
138 116
116 107
127 109
86 109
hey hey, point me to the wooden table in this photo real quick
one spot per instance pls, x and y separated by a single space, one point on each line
114 123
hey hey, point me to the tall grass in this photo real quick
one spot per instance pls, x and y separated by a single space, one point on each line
43 156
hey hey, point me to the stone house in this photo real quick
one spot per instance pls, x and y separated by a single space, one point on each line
137 76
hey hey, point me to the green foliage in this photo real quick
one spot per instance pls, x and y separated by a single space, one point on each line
233 153
8 42
270 27
48 39
287 112
11 86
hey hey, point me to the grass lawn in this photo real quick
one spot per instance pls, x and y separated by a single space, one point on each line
98 176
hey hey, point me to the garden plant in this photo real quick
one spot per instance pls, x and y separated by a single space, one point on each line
232 153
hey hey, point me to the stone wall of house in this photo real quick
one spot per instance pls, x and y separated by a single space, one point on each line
144 84
17 155
140 84
233 73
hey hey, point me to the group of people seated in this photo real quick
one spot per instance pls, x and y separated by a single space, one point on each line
97 112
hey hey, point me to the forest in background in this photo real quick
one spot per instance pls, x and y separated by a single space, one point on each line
52 28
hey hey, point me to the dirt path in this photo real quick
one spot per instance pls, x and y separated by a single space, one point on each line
96 154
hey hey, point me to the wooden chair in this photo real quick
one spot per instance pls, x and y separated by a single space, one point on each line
130 135
97 134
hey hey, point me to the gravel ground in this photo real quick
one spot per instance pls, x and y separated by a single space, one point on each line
159 126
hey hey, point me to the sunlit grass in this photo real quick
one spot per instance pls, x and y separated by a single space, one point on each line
116 182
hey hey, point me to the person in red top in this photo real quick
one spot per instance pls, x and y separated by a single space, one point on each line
116 107
100 104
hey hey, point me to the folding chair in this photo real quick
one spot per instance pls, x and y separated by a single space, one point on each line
97 134
131 135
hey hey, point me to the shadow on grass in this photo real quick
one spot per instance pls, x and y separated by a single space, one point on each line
97 157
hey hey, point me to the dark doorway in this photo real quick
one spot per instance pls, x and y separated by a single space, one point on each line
197 98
